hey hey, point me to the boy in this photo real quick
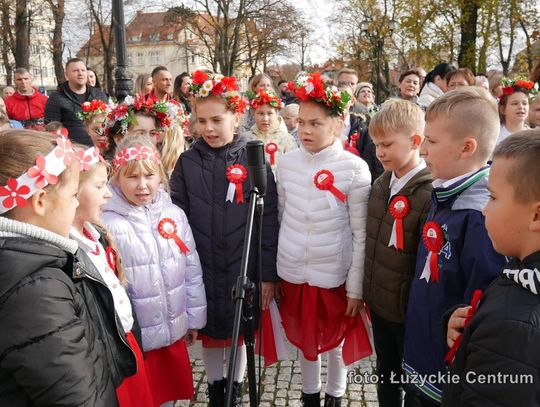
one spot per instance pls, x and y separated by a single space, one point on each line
502 339
397 132
290 117
455 256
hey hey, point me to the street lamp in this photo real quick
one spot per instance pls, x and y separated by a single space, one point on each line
378 35
123 84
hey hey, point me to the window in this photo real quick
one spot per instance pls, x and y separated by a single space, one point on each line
136 38
53 73
130 59
169 36
35 49
35 71
2 69
154 37
154 57
140 58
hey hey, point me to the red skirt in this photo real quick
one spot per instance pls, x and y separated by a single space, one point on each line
169 371
135 390
209 342
314 321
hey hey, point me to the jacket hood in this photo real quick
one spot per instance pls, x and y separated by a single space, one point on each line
525 273
119 204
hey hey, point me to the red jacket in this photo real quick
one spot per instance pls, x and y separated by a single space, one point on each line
25 108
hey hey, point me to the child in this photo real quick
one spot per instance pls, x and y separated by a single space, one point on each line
57 345
171 141
97 244
514 106
269 126
200 184
455 257
534 113
134 117
290 117
502 338
323 193
162 266
93 115
400 197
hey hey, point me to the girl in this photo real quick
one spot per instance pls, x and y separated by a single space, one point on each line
162 266
61 348
97 244
514 106
200 184
269 125
323 193
259 81
134 117
93 115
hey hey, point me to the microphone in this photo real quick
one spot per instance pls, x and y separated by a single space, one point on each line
256 165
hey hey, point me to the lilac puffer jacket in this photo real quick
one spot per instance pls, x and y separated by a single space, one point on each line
165 286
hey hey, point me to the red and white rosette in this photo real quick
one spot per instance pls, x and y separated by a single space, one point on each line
399 208
433 238
167 229
271 149
324 180
236 175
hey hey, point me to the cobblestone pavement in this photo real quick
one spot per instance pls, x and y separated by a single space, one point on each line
281 383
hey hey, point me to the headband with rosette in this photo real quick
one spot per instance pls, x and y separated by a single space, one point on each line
45 172
518 85
204 85
312 88
94 108
87 158
177 116
136 153
262 97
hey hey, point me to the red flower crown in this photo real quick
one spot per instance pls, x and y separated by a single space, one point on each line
518 85
204 85
94 108
261 97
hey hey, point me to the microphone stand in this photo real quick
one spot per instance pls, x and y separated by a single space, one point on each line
243 295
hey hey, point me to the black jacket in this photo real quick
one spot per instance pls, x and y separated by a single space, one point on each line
365 146
61 349
63 106
199 187
502 338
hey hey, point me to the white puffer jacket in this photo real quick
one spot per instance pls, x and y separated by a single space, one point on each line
318 244
165 286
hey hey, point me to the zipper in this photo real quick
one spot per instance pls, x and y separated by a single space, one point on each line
29 110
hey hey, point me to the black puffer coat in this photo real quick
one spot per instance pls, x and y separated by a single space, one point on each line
61 348
199 186
63 106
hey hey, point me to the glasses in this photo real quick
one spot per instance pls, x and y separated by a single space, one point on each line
100 131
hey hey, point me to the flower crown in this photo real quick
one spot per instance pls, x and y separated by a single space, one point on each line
177 116
518 84
88 157
125 112
312 88
204 85
45 172
94 108
261 97
137 153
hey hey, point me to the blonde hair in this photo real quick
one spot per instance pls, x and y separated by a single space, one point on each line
397 116
132 166
140 83
471 112
173 145
257 78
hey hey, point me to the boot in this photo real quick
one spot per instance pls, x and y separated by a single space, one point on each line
311 400
216 393
331 401
237 394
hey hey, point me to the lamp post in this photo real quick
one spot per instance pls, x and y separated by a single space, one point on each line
378 35
123 83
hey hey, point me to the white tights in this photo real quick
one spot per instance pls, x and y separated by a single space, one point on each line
336 376
213 363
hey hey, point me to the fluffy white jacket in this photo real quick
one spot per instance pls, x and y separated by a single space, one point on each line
318 244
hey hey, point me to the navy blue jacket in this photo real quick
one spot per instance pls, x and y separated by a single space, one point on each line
199 186
467 262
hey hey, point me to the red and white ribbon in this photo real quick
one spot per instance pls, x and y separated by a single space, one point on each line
324 180
167 228
236 175
273 346
399 209
433 238
271 149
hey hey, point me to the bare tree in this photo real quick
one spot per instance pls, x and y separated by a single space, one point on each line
22 34
57 44
8 40
100 15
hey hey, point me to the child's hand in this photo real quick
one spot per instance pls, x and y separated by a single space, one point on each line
191 336
456 324
353 307
267 294
279 291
